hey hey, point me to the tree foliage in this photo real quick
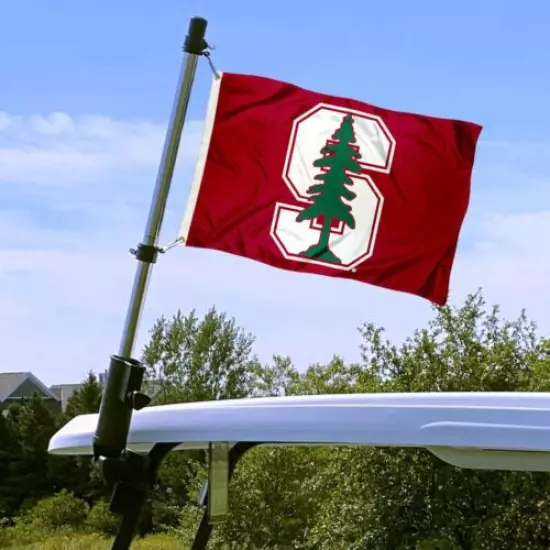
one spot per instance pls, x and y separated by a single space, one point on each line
199 360
86 399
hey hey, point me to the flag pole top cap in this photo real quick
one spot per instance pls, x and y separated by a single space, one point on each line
194 41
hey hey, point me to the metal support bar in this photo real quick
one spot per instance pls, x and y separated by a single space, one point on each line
218 482
205 527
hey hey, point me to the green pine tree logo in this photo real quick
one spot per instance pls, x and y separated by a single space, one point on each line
338 159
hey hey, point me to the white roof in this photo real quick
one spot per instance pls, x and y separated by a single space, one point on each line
508 431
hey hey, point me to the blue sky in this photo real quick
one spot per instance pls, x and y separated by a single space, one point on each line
85 92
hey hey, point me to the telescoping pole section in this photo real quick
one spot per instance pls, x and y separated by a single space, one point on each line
130 474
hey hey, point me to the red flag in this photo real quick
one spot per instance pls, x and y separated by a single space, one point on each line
320 184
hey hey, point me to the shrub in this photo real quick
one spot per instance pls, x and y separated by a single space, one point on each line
60 511
190 518
101 519
165 516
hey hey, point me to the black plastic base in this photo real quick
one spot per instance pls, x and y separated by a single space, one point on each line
121 396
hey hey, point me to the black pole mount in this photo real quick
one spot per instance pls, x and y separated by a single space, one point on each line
130 475
121 395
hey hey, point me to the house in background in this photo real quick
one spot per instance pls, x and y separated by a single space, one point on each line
16 386
63 392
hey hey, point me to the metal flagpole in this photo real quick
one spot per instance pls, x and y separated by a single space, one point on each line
121 393
130 473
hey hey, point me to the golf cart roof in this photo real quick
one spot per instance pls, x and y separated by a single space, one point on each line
508 431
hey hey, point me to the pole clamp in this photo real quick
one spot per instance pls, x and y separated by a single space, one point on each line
146 253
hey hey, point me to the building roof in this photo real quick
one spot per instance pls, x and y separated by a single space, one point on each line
64 389
10 381
499 431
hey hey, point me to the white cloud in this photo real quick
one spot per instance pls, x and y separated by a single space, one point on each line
511 260
64 151
74 193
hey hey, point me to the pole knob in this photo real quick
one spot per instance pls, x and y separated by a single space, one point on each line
194 41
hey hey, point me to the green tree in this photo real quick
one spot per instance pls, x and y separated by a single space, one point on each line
276 496
277 379
338 160
86 399
191 359
36 425
9 454
80 476
188 359
335 377
409 499
32 425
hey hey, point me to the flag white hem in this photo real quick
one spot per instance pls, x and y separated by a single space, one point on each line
201 159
